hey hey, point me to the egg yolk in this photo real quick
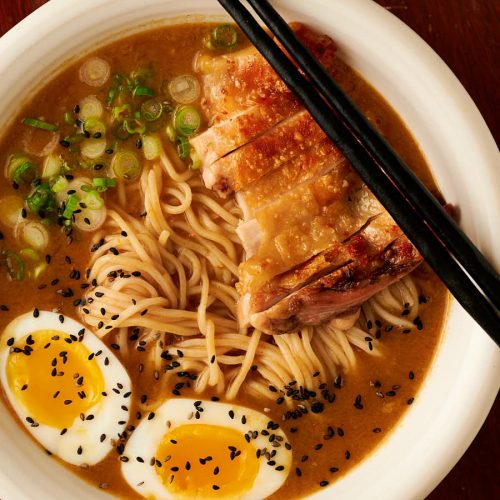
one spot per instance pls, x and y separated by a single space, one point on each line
51 376
203 461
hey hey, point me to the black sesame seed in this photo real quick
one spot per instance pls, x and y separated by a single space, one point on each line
410 401
323 483
317 407
347 455
215 487
298 472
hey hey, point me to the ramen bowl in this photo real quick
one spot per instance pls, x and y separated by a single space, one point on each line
463 380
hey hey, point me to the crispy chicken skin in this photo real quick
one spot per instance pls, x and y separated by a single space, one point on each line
318 160
241 127
265 153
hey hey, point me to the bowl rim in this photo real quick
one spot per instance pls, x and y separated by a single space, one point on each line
444 443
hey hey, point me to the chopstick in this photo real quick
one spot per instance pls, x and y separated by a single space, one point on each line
379 167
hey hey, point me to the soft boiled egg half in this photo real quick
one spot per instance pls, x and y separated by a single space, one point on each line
204 449
68 389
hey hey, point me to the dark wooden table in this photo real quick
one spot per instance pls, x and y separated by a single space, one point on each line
465 33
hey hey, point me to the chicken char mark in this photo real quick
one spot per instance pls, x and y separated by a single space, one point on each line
340 291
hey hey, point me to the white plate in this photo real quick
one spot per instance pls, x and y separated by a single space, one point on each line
463 380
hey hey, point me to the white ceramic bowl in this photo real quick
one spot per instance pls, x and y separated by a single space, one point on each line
463 381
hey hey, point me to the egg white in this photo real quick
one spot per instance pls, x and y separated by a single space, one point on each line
107 412
146 438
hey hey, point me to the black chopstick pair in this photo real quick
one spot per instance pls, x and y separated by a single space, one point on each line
438 238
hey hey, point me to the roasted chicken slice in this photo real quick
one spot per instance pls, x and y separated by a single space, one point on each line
267 152
372 238
318 160
239 128
237 81
297 243
301 204
340 291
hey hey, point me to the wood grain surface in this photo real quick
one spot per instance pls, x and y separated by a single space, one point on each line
465 33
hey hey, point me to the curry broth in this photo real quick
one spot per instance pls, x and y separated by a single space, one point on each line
382 387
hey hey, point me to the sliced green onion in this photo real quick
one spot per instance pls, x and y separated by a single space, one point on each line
126 165
111 96
38 270
120 111
184 89
71 206
151 147
141 74
87 188
93 125
104 181
187 120
224 36
35 235
75 138
151 110
41 199
90 220
195 160
29 253
134 126
26 172
183 147
60 184
10 210
51 166
14 162
93 200
140 90
34 122
68 118
94 72
93 148
170 131
14 265
90 107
